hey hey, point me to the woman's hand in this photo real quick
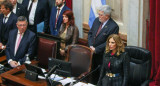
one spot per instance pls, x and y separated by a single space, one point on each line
62 52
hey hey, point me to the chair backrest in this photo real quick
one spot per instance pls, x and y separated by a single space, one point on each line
47 47
81 58
82 41
140 65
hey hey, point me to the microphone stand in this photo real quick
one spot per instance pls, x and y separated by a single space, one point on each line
86 75
69 84
50 82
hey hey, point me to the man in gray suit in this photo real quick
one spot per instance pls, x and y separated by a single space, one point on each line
102 27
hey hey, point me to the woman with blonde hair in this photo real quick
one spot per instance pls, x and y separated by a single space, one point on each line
115 68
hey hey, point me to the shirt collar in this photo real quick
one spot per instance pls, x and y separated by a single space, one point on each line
60 7
105 23
15 5
19 32
7 15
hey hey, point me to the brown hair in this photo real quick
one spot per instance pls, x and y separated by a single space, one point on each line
70 16
119 44
7 4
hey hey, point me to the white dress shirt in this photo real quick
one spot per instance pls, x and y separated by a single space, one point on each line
6 17
104 23
59 10
15 51
14 8
18 35
33 11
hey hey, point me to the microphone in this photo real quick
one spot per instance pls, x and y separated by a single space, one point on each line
83 77
54 68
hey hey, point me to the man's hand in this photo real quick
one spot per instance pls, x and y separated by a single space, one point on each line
93 49
13 63
62 52
1 45
4 47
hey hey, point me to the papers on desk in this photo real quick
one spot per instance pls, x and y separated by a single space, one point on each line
41 77
56 77
67 80
83 84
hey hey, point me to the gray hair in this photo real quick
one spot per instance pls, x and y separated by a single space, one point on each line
22 18
106 9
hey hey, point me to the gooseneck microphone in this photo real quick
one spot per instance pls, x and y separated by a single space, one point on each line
53 69
83 77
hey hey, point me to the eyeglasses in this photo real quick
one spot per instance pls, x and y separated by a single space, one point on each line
24 25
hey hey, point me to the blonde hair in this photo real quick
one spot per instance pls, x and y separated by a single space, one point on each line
119 44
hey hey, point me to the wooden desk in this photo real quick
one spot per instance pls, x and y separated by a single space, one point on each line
2 58
15 77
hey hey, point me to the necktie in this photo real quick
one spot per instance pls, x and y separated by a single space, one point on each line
57 17
19 40
30 7
4 20
99 29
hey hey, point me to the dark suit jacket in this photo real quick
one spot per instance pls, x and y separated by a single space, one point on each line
20 10
27 46
99 42
41 14
54 31
4 30
51 4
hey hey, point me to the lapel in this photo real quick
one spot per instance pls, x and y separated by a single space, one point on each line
9 19
37 9
17 9
1 21
14 39
23 40
104 28
60 13
27 3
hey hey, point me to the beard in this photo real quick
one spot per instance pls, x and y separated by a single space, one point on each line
60 4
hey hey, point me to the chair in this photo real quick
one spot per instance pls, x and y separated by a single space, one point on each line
82 41
47 47
140 65
81 58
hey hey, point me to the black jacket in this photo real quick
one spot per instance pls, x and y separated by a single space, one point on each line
119 64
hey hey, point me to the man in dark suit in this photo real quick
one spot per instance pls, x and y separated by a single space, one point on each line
21 43
7 22
37 12
51 4
56 17
18 9
102 27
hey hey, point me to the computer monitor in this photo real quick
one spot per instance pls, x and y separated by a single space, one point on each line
34 69
64 67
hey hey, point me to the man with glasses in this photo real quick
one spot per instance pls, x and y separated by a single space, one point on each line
21 43
102 27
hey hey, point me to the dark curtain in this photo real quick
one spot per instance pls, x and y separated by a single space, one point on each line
154 40
69 4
